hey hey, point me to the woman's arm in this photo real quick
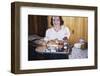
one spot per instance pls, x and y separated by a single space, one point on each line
67 32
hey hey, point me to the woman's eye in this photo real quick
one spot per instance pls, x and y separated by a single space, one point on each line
56 20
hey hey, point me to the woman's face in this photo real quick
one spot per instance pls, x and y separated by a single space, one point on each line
56 21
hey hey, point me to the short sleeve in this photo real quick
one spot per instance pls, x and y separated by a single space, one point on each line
67 32
47 35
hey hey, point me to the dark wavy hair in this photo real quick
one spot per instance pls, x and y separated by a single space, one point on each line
61 20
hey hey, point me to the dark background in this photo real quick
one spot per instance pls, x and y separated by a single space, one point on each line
37 25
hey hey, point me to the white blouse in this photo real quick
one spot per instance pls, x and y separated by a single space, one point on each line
52 34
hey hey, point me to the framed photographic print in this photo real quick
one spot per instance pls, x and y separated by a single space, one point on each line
52 37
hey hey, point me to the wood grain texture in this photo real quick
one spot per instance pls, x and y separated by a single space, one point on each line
78 27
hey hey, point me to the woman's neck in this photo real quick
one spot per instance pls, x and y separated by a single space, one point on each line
57 28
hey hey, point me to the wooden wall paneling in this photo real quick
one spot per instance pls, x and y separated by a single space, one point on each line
77 25
37 25
32 25
85 29
42 25
49 20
